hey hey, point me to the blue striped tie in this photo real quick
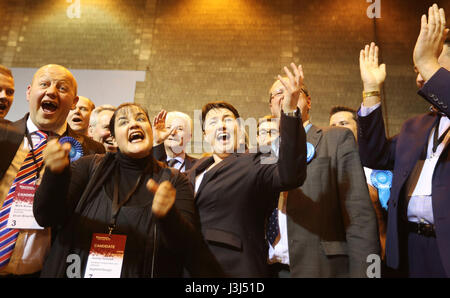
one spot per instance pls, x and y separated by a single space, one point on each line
26 175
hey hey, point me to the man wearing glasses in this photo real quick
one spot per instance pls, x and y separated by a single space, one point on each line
326 227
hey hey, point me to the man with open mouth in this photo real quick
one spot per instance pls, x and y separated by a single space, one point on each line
99 127
78 118
6 91
51 95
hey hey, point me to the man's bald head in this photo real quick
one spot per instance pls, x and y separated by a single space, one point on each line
53 68
51 95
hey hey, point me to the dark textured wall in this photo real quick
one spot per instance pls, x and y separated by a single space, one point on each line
195 51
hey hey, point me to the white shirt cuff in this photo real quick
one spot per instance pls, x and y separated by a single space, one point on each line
365 111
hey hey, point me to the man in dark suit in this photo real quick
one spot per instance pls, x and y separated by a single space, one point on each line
6 92
418 233
327 227
173 131
234 191
346 117
51 94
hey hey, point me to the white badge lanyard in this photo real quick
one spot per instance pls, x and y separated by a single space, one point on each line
424 183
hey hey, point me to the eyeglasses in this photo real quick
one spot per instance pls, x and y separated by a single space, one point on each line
275 94
270 132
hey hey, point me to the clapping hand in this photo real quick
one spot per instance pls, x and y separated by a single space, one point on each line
164 197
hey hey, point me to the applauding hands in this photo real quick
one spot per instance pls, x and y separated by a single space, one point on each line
164 198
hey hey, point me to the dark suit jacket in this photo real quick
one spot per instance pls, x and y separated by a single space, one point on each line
236 196
189 162
12 134
401 153
330 219
159 153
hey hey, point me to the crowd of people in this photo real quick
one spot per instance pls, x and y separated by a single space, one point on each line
119 193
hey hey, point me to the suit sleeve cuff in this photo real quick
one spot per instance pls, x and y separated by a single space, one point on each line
366 111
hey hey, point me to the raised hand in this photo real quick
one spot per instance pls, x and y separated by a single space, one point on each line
293 86
372 74
164 197
56 156
430 42
160 132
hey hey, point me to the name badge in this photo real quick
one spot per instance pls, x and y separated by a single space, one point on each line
21 213
106 256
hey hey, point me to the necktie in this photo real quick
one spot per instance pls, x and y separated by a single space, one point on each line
27 175
173 162
273 228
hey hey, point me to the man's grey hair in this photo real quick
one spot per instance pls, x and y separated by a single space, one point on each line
98 110
177 114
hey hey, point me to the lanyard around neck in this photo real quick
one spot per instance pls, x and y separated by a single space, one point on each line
30 143
437 141
115 204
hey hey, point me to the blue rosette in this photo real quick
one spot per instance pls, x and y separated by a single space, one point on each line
310 152
76 150
382 181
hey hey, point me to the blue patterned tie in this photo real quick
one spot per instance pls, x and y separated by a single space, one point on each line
173 162
273 228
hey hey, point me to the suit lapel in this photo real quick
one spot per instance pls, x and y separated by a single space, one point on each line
411 143
199 167
211 173
447 142
13 136
417 138
188 162
314 136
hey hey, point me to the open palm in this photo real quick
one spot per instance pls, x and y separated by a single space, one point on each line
372 74
160 132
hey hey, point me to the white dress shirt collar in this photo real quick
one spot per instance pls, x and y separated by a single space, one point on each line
32 128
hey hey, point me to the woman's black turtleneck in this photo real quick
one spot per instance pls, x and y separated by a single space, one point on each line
129 171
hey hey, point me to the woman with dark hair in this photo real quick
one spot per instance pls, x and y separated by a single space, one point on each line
235 192
124 205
